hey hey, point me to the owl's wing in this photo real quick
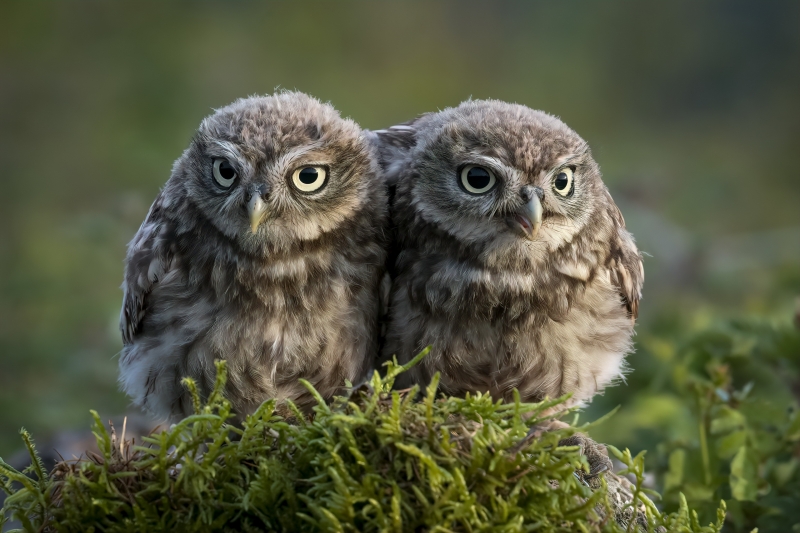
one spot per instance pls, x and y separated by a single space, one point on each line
625 264
150 258
393 145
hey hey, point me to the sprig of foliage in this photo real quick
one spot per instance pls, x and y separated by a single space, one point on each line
741 380
376 460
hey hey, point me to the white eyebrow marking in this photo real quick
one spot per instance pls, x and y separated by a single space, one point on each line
283 163
496 164
565 161
229 151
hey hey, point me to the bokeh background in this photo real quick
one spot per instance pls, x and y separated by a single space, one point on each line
692 110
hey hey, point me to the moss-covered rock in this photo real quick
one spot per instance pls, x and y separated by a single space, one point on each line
378 460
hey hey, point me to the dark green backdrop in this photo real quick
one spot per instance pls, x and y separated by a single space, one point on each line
692 109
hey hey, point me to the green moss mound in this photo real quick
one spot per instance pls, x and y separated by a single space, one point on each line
378 460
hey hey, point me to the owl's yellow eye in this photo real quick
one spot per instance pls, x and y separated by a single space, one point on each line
224 173
309 179
477 180
562 183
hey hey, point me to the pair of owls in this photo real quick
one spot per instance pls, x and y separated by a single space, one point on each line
286 235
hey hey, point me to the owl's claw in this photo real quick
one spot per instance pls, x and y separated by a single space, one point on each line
596 454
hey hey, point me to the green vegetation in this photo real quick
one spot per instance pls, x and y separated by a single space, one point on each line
379 460
742 377
719 411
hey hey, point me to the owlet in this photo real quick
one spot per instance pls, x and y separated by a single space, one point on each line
265 248
512 260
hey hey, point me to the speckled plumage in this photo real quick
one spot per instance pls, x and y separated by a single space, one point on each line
548 315
296 297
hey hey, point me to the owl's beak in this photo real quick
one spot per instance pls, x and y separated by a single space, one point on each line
256 208
527 219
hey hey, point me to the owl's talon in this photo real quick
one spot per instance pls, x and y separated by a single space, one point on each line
596 454
598 469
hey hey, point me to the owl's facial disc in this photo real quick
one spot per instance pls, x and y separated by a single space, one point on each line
528 218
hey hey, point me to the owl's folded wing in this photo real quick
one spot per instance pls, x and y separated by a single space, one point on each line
393 145
150 257
625 264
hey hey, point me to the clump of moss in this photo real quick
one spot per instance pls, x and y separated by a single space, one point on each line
377 460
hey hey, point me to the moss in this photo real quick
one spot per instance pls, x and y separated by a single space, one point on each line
378 460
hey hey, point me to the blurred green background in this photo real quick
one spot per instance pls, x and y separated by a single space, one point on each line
692 110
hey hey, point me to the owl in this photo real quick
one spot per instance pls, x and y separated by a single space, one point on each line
510 258
264 248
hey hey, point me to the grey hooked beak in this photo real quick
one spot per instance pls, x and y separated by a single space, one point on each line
527 219
256 208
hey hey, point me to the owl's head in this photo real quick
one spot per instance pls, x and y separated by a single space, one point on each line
499 176
276 170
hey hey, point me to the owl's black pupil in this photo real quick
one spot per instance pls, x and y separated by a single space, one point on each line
308 175
478 178
226 170
562 181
